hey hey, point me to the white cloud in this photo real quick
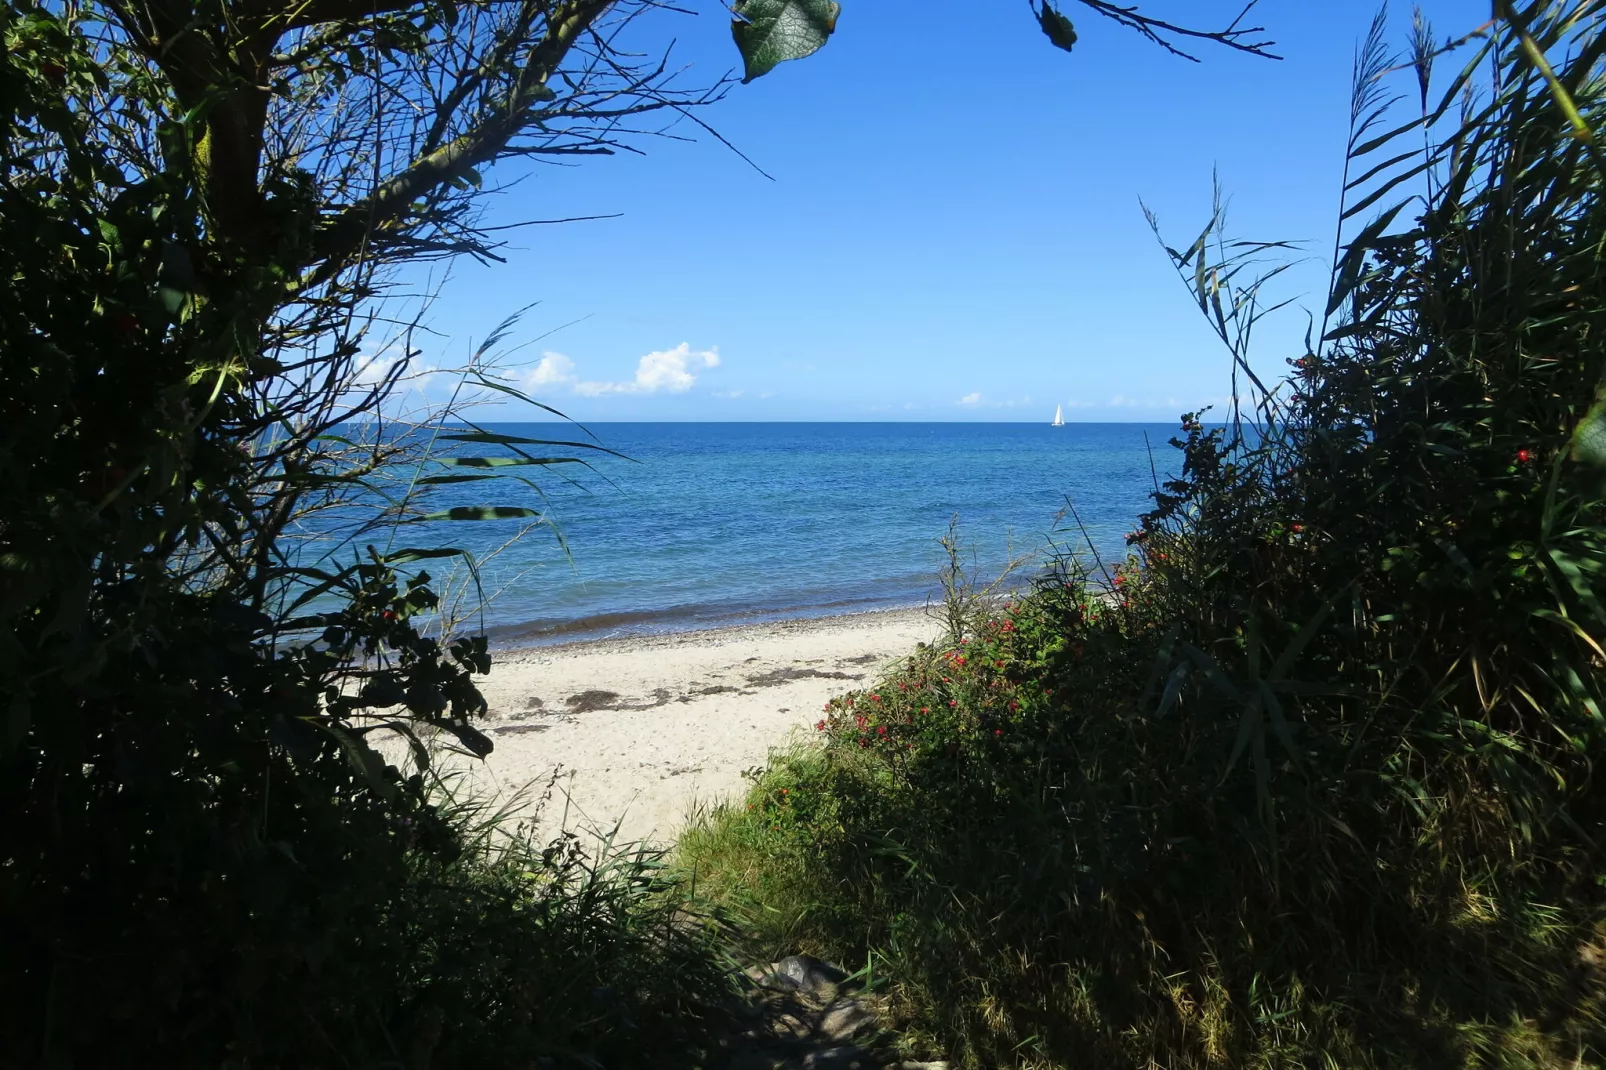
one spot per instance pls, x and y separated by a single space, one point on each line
666 371
977 400
551 370
1121 401
374 366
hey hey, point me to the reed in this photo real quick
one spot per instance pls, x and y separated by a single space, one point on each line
1312 781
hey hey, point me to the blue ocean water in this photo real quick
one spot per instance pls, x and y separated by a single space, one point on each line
710 523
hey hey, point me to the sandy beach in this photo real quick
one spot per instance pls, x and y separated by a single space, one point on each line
640 730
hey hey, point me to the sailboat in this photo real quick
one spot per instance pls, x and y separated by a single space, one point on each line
1059 417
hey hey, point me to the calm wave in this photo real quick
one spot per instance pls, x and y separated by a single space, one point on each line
714 523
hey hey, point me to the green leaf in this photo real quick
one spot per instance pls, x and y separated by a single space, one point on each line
770 32
1056 27
382 691
363 758
478 743
492 384
409 555
468 477
497 439
480 512
1589 438
1173 689
502 462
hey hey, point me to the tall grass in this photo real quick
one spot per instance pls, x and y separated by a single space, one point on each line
1313 782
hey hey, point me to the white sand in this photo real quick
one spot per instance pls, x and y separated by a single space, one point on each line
641 730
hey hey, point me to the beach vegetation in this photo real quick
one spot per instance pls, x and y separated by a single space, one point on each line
1310 778
205 859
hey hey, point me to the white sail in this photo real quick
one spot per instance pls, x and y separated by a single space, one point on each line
1059 416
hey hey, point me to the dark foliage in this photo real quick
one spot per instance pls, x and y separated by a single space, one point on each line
1314 781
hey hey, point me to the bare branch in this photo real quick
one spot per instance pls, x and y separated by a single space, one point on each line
1234 36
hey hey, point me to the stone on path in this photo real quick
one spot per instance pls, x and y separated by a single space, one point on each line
803 1016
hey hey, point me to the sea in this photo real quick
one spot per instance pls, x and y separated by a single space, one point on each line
696 525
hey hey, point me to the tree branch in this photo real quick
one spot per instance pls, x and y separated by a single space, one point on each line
1234 36
348 232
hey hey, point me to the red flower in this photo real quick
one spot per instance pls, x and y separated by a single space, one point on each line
1297 528
786 791
953 702
925 709
881 730
819 726
389 614
1524 456
875 698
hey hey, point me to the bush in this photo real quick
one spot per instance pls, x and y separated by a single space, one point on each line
1310 781
203 862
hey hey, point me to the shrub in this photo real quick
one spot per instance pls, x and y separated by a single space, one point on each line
203 862
1310 781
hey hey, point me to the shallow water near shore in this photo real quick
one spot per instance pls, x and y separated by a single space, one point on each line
714 524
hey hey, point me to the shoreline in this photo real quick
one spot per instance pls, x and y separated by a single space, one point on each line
636 732
761 625
633 626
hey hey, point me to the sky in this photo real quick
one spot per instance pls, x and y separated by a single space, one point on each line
952 228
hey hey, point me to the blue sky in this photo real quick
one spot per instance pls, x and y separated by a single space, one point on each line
953 231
